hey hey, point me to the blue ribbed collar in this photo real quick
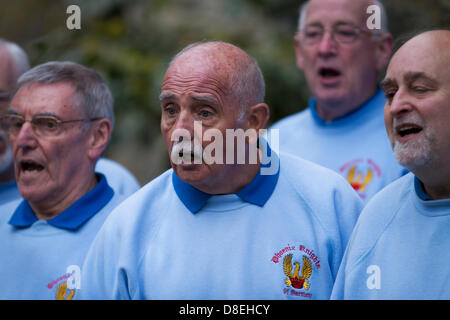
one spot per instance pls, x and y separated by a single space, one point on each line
74 216
257 192
420 191
371 106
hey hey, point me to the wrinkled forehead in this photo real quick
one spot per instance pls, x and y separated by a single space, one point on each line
199 70
56 99
330 12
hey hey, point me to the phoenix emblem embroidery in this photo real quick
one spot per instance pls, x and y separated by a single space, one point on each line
357 182
295 279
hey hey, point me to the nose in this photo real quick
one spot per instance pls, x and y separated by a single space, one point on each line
400 103
184 127
327 45
26 138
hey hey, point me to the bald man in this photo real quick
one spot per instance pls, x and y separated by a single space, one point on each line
400 248
214 226
13 62
342 128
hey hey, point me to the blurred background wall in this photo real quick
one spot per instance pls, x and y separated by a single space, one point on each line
131 42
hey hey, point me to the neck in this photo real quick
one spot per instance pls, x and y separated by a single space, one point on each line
436 185
45 210
332 109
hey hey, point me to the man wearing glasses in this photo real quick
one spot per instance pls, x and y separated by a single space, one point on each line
59 122
342 128
13 63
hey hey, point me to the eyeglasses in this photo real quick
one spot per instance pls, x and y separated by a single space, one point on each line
42 125
342 33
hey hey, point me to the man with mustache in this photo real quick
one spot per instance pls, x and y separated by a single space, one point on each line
400 248
222 229
59 122
342 128
13 63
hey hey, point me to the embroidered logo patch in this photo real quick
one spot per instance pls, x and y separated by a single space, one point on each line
360 173
299 264
67 284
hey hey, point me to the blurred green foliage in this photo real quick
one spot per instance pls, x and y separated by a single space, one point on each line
130 43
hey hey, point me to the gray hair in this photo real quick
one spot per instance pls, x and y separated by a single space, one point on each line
384 28
91 92
246 81
18 55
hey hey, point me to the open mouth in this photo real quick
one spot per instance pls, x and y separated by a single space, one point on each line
407 130
30 166
329 72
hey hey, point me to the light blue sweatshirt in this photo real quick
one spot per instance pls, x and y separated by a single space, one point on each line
280 237
41 259
356 145
400 248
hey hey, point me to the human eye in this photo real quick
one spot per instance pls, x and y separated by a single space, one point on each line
15 122
345 32
48 124
170 110
312 33
205 113
420 89
390 93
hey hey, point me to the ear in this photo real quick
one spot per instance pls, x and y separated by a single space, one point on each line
258 115
298 52
99 135
384 47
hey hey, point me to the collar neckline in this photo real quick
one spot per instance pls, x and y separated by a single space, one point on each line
374 102
257 192
420 191
75 215
426 205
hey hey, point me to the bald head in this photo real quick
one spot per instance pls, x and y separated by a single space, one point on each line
431 46
239 73
16 57
13 63
417 87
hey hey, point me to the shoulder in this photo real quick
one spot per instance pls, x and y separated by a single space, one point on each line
119 177
104 164
311 178
7 209
328 195
377 216
292 120
151 198
384 204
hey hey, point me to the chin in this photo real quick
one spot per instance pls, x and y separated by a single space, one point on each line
32 194
190 173
412 155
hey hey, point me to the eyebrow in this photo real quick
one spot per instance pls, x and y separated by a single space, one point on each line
170 96
387 83
205 99
409 78
51 114
337 23
166 96
413 76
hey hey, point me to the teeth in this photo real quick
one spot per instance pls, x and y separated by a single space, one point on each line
408 130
